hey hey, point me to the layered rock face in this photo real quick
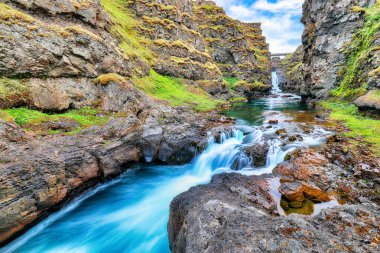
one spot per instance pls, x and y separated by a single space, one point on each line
329 26
290 73
238 48
173 35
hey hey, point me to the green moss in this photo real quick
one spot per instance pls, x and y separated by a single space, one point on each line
175 92
238 100
361 127
126 28
358 52
231 81
28 118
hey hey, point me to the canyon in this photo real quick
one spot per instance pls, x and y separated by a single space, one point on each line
150 126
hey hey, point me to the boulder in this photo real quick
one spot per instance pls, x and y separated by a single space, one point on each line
369 102
258 153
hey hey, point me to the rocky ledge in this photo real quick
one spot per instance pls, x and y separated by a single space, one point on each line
236 213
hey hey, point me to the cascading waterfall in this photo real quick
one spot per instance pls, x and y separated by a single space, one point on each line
131 214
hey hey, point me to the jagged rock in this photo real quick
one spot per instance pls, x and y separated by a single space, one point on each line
62 125
88 11
238 48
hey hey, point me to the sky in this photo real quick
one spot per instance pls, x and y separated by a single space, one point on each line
280 20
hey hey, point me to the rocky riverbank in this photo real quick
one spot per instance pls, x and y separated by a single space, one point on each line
236 213
40 174
88 88
336 65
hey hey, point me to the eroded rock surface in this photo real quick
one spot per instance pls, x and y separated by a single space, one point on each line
235 213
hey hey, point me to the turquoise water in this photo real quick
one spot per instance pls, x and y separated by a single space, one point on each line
130 214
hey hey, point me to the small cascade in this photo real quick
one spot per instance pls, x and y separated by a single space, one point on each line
131 214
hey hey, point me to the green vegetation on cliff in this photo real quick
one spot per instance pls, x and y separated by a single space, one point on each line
125 28
359 51
176 93
30 119
231 81
361 127
12 89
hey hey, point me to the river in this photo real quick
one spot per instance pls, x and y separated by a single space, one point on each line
130 213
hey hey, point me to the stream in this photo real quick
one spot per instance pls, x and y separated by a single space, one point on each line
130 213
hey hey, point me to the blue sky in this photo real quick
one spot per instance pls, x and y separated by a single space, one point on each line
280 20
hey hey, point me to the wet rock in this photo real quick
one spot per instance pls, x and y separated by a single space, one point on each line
258 153
281 132
273 121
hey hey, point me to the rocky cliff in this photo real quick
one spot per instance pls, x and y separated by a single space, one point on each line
88 88
340 47
238 48
290 73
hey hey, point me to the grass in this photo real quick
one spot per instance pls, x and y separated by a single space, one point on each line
125 27
12 16
175 92
361 127
358 52
231 81
31 119
12 89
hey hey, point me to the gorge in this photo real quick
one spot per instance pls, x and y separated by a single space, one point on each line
165 126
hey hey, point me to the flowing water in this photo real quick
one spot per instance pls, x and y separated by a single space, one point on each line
130 214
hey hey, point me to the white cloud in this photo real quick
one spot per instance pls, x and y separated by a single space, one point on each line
280 20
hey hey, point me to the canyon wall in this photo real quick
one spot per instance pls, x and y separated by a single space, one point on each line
332 29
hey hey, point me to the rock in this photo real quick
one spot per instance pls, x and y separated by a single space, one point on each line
273 121
258 153
221 217
369 103
281 132
290 73
61 125
329 26
222 44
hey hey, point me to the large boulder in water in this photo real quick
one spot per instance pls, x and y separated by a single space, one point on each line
258 152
